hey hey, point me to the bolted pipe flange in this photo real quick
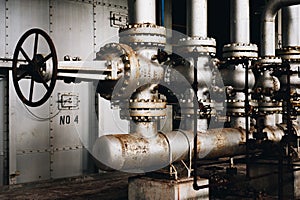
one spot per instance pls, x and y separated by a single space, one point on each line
290 53
124 66
200 45
147 109
267 62
240 50
270 107
143 35
237 107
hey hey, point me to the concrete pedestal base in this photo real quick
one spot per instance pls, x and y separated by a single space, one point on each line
154 189
265 178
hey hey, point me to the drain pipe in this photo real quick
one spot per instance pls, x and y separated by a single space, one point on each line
268 25
197 18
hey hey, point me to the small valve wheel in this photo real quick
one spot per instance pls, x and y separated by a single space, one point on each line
40 69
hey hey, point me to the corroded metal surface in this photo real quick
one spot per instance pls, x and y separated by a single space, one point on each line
131 152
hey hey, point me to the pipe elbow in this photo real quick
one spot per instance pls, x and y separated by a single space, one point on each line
272 7
271 10
107 152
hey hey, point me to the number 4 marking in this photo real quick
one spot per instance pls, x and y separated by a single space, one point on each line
76 119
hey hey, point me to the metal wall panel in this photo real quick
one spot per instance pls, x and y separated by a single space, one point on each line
72 28
2 28
67 163
22 16
41 147
72 130
3 131
2 116
32 167
29 128
111 123
105 33
29 132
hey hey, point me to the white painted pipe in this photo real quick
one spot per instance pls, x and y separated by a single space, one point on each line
134 153
240 21
291 26
268 25
142 11
197 18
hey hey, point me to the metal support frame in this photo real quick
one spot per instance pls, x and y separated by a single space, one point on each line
195 127
247 109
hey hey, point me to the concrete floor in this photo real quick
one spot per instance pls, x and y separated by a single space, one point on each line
104 186
114 186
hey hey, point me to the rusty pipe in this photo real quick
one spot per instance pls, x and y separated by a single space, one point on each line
134 153
268 25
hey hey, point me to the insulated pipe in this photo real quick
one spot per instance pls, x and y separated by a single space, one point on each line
291 26
197 18
134 153
240 22
141 11
268 25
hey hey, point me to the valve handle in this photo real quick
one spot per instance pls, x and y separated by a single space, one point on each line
40 69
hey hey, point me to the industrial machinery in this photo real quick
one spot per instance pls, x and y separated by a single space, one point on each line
190 114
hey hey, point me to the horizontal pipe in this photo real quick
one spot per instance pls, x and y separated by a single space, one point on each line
197 18
136 154
142 11
240 21
268 25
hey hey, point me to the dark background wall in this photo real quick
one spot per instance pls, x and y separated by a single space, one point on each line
219 20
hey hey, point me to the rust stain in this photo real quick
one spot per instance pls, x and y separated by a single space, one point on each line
162 141
198 145
220 140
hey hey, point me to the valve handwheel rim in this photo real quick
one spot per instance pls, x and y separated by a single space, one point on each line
36 68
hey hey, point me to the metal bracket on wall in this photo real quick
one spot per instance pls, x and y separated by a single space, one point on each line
68 101
118 19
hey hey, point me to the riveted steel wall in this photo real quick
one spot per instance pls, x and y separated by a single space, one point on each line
2 28
104 33
48 141
3 132
2 99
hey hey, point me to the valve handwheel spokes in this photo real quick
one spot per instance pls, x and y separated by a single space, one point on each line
35 68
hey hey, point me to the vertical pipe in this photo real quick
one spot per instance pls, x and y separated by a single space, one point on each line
197 18
278 36
142 11
240 21
268 24
195 120
291 26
